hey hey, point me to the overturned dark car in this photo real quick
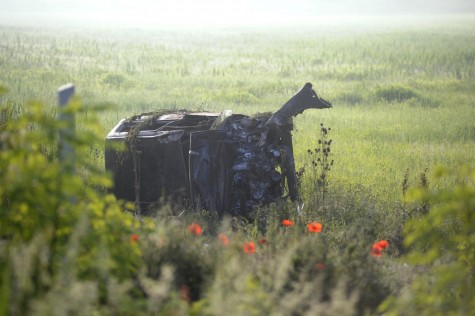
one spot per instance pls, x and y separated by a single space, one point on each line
222 162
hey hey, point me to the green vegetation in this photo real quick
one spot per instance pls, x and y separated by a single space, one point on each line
443 239
403 104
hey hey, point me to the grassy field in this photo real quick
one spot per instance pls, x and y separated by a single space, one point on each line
403 98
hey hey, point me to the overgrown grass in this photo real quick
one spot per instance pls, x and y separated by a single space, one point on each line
403 103
401 96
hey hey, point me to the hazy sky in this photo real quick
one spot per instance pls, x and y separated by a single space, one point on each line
226 12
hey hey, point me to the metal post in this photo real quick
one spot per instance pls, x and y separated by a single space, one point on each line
66 132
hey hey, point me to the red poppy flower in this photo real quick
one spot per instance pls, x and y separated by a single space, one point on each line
314 227
185 293
195 229
383 244
287 223
376 250
134 238
249 247
223 239
262 241
320 266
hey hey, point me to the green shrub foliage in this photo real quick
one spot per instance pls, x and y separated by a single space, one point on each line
56 227
395 93
443 240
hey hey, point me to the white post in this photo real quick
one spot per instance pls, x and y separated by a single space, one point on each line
66 132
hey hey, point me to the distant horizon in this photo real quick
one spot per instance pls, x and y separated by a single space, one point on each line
343 21
221 12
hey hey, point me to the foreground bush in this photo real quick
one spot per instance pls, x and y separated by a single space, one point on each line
63 243
443 241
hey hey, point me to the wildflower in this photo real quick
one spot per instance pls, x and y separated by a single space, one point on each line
223 239
314 227
195 229
287 223
262 241
383 244
378 247
185 293
320 266
134 238
376 250
249 247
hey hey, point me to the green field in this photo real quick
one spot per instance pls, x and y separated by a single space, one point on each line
403 95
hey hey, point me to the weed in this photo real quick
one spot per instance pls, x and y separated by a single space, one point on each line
320 167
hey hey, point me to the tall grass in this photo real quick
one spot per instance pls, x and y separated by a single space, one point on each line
403 97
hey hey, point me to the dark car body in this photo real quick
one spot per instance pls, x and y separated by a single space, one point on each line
222 162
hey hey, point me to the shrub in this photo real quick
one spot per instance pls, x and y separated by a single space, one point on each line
443 239
395 93
351 98
59 235
118 81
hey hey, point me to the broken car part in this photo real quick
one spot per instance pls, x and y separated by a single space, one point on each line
222 162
